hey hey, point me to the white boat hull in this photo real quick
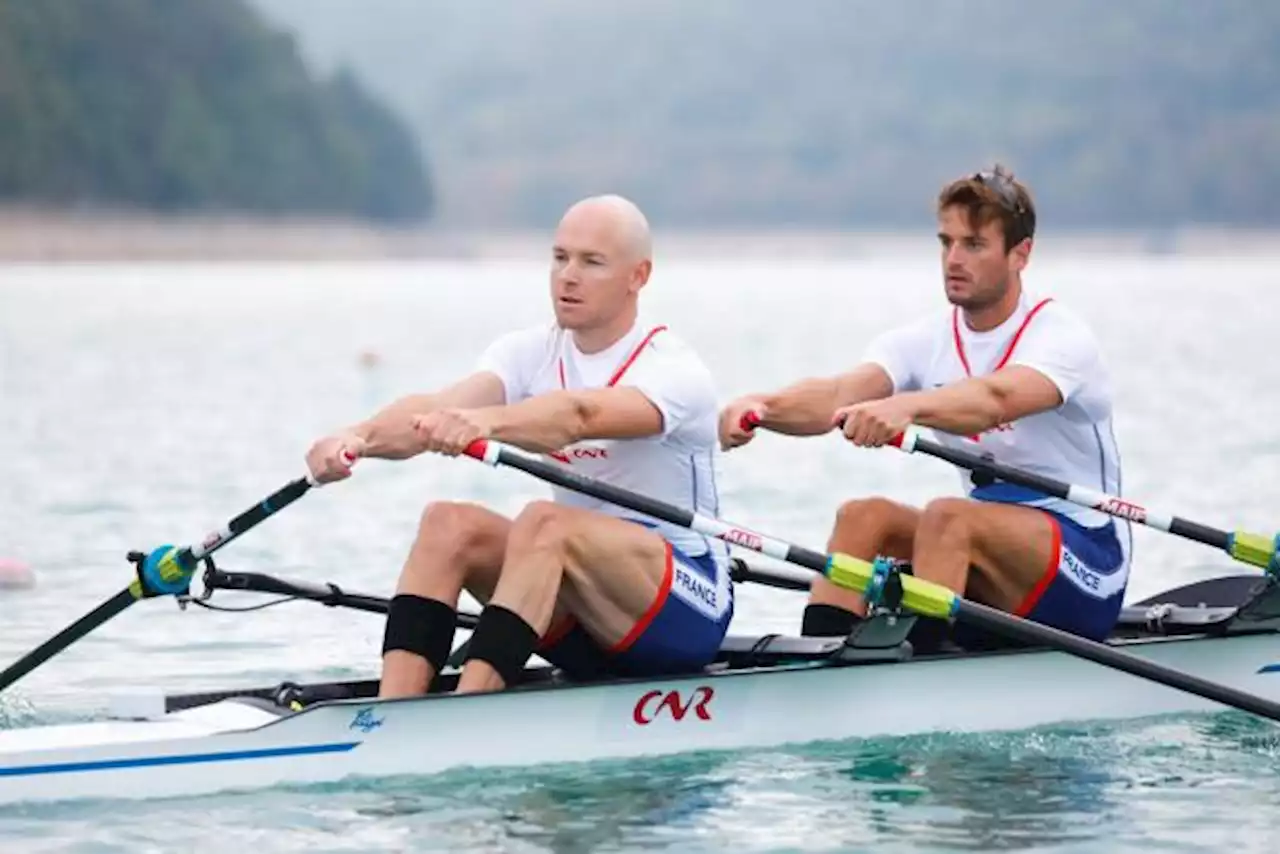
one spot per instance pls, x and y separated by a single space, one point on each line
233 745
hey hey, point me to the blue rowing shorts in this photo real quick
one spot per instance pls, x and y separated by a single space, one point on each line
680 632
1083 588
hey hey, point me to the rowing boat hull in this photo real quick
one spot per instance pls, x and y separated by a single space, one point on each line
232 745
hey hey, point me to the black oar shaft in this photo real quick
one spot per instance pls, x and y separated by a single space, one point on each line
1058 489
1200 533
678 516
561 476
140 589
66 637
255 515
999 622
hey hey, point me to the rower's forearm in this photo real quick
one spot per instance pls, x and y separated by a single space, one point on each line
389 433
963 409
806 408
541 424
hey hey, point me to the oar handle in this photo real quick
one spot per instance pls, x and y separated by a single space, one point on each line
495 453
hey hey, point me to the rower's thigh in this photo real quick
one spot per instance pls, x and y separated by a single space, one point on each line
1013 547
613 569
458 539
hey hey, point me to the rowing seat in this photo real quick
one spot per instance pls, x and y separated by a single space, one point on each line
881 638
761 650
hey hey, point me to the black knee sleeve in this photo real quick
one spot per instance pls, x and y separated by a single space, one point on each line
827 621
422 626
504 641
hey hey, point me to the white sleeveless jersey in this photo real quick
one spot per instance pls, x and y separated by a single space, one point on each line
1074 443
676 466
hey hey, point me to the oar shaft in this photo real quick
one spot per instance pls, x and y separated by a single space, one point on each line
912 442
258 513
1253 549
164 571
999 622
494 454
66 637
1250 548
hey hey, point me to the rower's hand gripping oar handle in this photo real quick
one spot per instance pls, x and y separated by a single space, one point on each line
906 440
348 459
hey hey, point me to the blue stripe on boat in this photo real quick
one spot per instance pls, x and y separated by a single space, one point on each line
182 759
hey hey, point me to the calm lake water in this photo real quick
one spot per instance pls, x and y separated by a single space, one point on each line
144 404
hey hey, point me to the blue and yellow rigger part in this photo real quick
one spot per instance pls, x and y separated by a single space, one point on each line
918 596
1255 550
166 570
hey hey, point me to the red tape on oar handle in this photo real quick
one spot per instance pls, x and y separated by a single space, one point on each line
749 421
476 450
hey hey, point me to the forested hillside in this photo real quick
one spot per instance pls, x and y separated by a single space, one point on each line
178 105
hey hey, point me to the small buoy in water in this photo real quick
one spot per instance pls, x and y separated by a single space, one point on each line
369 359
15 575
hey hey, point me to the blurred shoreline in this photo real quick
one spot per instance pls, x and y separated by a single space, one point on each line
48 236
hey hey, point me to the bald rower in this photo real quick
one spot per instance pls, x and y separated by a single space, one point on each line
590 587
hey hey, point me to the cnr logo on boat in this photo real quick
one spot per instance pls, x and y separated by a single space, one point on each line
655 704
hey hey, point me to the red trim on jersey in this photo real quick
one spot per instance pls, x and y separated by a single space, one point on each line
1008 353
626 363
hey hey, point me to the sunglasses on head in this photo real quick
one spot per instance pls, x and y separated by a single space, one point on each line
1008 194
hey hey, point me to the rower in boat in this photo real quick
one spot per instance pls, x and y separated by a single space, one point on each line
1004 373
592 588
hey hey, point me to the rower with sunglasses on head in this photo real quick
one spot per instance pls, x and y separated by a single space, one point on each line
1001 372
